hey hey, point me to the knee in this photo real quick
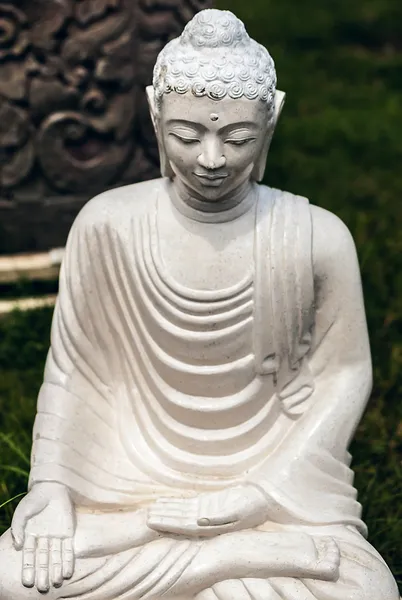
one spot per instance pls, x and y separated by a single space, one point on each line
371 579
379 584
11 587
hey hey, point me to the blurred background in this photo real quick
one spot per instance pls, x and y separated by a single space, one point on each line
73 121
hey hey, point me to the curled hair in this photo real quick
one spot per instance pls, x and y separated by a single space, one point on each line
215 57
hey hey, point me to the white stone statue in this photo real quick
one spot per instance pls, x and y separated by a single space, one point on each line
209 364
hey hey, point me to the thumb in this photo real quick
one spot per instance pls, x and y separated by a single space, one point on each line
225 518
29 506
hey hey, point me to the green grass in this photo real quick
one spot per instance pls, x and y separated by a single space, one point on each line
339 143
24 341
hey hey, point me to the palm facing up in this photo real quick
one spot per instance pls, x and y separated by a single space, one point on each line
43 528
210 514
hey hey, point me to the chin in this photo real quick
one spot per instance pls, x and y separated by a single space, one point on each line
212 194
212 191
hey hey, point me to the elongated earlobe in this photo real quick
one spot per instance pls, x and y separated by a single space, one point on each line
279 102
166 170
259 169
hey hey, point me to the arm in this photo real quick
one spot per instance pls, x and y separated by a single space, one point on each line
43 524
125 529
67 434
73 431
306 478
339 359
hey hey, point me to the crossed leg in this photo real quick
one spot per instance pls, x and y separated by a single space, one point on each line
294 561
241 554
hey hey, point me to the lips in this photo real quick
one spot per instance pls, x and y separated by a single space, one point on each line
210 177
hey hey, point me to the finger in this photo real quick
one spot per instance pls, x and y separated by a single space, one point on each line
182 527
27 508
214 530
169 525
173 510
18 524
176 506
189 502
216 520
67 558
42 564
172 513
55 559
186 528
208 506
28 561
156 522
216 502
181 519
17 541
162 508
179 501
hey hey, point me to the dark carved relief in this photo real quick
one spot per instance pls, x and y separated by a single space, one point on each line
73 114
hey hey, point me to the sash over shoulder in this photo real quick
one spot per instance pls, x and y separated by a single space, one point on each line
284 294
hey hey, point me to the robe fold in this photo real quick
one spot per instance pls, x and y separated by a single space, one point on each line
154 389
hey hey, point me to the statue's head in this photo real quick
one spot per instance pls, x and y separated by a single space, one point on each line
214 105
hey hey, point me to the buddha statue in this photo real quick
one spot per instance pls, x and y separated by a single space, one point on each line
209 364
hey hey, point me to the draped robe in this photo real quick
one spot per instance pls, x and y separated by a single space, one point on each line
154 389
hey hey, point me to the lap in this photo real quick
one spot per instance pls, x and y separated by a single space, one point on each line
363 575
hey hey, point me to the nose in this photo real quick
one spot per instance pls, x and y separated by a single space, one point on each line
211 157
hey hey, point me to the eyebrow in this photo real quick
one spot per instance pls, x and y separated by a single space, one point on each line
238 124
186 123
223 129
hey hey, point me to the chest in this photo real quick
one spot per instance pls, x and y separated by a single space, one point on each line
205 256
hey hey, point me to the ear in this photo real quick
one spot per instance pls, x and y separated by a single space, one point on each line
166 170
149 91
279 102
259 168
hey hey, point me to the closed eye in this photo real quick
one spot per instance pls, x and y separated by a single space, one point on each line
185 140
240 142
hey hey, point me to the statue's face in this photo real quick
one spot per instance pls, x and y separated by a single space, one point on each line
212 145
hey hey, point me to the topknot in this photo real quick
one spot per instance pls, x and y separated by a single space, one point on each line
215 57
212 28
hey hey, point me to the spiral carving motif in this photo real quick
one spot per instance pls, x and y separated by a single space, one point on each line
215 49
73 114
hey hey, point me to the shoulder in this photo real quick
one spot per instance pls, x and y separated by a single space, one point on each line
118 205
333 245
285 201
333 248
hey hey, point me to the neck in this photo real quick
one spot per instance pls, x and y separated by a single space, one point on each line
226 202
227 208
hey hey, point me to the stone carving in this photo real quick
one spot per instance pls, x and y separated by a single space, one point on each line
209 364
73 113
